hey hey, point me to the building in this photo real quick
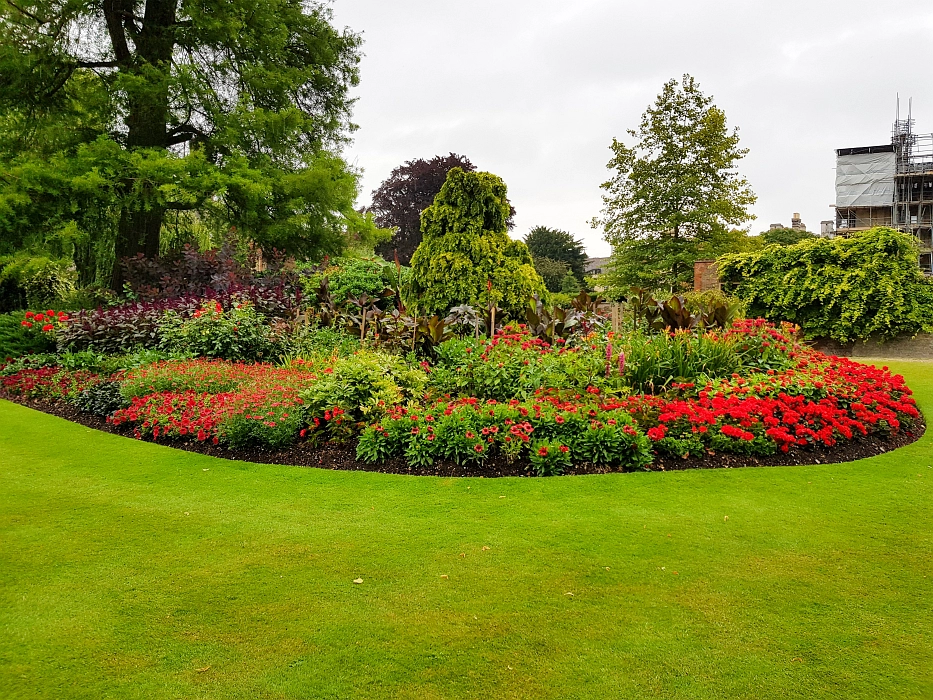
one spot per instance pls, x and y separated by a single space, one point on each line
795 223
889 185
596 266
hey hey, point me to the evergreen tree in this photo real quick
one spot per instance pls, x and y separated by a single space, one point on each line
554 244
466 255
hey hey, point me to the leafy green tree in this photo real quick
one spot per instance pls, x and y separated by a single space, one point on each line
841 288
466 255
785 236
675 191
552 272
554 244
235 110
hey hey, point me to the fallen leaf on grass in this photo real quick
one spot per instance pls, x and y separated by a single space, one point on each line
357 580
462 554
202 670
444 576
569 593
725 518
485 548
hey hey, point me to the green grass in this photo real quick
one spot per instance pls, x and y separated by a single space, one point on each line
126 567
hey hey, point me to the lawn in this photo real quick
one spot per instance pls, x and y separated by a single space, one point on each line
130 570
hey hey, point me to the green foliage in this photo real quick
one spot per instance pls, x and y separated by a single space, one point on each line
353 277
504 371
570 285
45 281
843 288
16 339
232 114
557 245
465 247
553 273
365 385
785 236
101 399
675 193
653 362
321 341
237 334
549 457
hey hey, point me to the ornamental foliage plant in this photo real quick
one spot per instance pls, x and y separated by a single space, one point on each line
867 285
466 255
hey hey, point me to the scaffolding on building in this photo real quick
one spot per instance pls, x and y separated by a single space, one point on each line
913 186
889 185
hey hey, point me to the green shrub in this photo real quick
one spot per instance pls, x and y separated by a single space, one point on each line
237 334
17 339
352 277
322 341
511 365
843 288
100 399
365 385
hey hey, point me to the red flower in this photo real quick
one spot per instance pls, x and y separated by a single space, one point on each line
564 449
47 327
27 324
542 451
478 447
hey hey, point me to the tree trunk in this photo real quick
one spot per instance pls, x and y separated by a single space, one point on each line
147 119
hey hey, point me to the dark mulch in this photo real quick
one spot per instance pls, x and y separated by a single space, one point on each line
344 456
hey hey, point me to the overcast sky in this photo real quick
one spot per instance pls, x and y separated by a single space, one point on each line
535 90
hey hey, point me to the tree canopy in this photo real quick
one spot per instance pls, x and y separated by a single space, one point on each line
408 191
561 246
675 190
228 113
785 236
466 255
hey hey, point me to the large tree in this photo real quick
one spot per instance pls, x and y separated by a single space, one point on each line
408 191
237 109
675 191
554 244
466 256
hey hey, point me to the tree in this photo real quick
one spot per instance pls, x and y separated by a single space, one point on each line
674 191
551 271
234 110
408 191
466 255
554 244
785 236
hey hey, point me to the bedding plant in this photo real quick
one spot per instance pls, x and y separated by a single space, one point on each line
614 401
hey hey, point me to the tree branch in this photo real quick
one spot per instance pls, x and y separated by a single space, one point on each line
98 64
113 15
27 13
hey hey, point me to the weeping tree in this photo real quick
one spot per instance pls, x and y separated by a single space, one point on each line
466 255
234 110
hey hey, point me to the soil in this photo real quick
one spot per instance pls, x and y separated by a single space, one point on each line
343 456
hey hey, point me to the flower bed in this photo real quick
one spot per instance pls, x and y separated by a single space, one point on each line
573 406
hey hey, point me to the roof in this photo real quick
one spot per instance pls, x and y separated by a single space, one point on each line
858 150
